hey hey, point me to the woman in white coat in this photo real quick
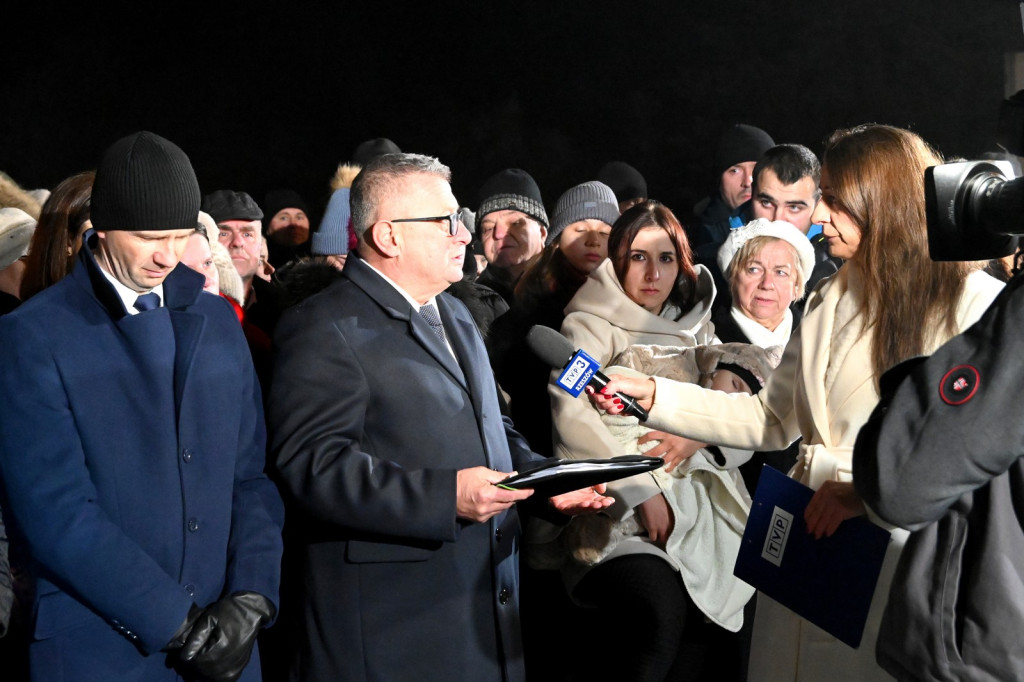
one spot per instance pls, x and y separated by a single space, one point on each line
890 302
647 292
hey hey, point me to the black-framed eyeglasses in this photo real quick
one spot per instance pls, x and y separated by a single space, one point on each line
453 221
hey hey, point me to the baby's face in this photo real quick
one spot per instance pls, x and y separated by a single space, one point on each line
729 382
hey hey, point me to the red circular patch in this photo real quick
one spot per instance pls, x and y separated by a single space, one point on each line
959 385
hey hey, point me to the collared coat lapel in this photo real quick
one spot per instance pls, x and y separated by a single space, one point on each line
395 305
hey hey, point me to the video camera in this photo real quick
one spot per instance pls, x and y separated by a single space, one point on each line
975 210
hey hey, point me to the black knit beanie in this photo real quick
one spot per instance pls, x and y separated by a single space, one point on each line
512 189
625 181
226 204
370 149
739 144
144 182
279 199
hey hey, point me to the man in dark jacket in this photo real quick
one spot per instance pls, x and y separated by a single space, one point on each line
512 226
388 440
739 148
132 447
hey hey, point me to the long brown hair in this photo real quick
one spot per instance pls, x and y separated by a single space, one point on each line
876 174
652 213
51 253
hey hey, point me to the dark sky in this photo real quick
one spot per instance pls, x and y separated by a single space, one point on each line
279 96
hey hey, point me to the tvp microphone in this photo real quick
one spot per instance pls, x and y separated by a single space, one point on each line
579 370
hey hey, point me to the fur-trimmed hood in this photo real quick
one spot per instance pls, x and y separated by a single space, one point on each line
13 196
344 176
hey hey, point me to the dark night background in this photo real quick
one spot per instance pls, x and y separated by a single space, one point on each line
277 95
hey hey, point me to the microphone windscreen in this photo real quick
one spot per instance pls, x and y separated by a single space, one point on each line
549 345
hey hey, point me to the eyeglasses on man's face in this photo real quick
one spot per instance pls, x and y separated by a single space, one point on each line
453 221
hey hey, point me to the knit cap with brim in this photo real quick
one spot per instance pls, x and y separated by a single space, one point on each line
16 228
512 189
226 204
590 200
144 183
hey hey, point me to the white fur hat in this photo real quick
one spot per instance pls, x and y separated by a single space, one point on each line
16 228
760 227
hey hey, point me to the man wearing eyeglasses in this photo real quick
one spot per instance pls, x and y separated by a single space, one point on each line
387 438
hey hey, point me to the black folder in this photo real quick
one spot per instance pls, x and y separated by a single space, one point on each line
562 475
829 581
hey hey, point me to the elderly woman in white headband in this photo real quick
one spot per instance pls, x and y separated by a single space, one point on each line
766 264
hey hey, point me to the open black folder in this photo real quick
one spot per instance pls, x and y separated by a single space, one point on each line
562 475
829 581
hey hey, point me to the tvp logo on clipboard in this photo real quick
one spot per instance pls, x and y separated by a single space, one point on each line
577 373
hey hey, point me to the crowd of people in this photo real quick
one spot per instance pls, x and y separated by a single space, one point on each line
241 442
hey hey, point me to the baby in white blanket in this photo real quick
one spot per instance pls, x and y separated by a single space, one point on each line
705 492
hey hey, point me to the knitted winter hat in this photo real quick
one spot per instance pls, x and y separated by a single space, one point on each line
739 144
371 149
512 189
225 204
751 363
16 228
588 200
625 181
279 199
331 238
761 227
144 182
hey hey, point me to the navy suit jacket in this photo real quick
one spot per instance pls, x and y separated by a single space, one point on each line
371 417
131 453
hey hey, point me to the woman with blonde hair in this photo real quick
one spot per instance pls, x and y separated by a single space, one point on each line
888 303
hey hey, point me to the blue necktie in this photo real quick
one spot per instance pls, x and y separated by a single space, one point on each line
432 318
147 302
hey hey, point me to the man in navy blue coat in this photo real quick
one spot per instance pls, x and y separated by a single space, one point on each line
388 440
132 448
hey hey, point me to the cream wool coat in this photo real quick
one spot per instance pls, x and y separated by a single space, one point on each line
824 391
603 321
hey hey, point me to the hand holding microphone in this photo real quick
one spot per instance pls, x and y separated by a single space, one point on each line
580 371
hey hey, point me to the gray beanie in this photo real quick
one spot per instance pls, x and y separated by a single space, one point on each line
589 200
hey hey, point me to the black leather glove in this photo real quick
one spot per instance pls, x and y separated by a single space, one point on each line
220 642
181 635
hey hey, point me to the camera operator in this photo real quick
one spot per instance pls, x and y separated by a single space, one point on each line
941 456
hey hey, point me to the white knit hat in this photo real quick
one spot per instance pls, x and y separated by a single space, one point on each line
760 227
16 228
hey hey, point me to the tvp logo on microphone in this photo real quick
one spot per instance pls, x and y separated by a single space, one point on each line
577 373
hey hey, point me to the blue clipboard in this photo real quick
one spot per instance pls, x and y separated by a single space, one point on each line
829 581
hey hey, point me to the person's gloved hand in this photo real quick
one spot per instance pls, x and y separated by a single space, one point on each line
220 642
182 634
